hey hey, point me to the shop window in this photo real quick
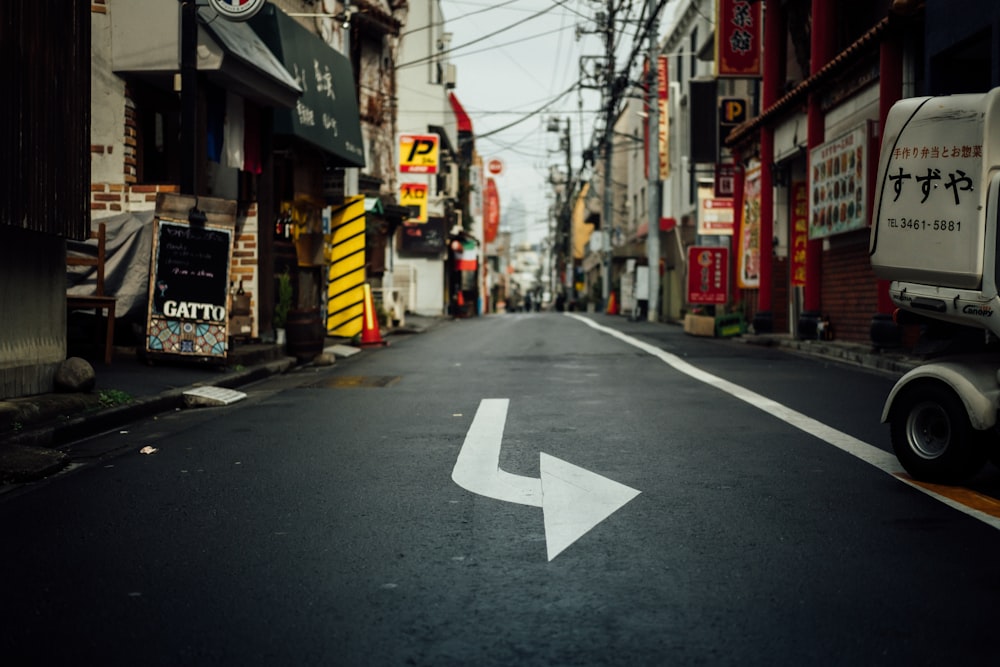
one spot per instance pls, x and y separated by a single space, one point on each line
157 129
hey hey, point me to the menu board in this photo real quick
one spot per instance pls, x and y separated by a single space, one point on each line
838 185
427 238
189 288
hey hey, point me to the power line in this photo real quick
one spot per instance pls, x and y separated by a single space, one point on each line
418 61
532 113
437 24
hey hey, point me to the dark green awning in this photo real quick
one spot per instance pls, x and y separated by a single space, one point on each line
326 115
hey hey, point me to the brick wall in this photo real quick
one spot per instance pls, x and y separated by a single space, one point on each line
245 267
128 196
849 288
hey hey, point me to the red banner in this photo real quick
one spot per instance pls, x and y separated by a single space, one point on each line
738 38
663 131
491 211
800 231
708 275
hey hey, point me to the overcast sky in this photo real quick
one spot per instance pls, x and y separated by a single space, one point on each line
522 77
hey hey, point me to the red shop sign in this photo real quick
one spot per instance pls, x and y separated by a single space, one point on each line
708 275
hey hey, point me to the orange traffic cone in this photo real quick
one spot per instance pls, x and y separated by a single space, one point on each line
370 334
612 304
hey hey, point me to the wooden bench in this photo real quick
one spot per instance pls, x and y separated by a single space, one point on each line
99 301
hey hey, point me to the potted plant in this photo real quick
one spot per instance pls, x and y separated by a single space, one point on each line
282 307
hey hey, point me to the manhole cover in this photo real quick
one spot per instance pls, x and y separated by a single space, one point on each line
346 381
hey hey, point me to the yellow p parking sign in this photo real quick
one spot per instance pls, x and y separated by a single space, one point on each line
418 153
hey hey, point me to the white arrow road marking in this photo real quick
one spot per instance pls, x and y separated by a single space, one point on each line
573 500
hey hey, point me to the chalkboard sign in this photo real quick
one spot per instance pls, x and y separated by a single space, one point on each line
192 272
189 289
423 238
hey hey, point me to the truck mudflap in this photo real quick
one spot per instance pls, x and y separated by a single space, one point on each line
975 380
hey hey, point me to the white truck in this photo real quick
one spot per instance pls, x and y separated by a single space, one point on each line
934 236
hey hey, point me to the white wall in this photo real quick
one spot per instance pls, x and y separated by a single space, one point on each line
423 101
107 118
430 285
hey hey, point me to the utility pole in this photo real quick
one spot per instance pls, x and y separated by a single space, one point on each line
351 174
568 218
609 129
654 185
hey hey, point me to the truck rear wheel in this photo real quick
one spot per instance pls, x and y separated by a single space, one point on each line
932 436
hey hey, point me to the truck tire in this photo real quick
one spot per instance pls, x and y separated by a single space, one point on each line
932 436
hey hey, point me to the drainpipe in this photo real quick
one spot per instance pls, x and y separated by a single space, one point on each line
189 97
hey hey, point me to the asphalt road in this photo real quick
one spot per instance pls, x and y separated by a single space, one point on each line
318 521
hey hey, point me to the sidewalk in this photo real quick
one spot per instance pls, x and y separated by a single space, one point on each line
33 428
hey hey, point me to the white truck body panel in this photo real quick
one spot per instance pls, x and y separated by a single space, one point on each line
929 223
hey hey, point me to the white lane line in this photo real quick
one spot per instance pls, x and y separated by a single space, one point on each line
870 454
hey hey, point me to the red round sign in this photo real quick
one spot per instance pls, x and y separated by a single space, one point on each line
495 166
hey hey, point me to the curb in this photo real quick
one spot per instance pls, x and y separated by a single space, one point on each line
847 353
32 454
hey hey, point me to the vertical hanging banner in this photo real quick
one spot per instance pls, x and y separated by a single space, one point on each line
345 306
662 89
708 275
414 195
419 153
748 259
738 36
800 232
491 211
476 184
663 115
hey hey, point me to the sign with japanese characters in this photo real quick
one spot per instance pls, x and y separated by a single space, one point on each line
708 275
738 38
663 118
800 232
725 179
418 153
839 185
715 215
414 195
931 202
